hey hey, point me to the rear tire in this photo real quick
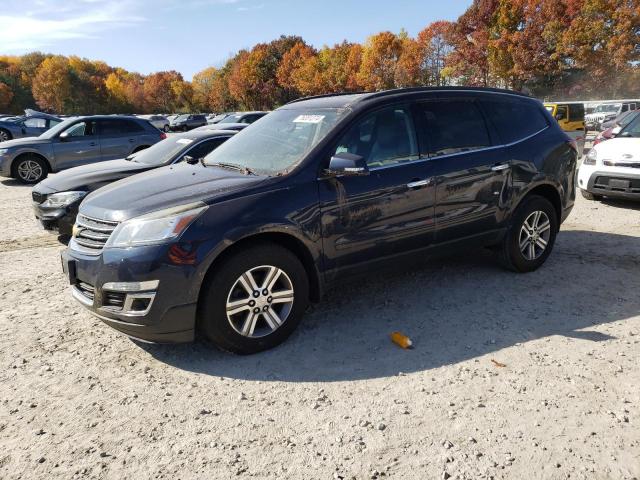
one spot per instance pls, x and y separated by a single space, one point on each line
590 196
166 128
30 169
248 314
531 236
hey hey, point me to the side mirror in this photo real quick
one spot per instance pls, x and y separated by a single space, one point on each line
347 165
64 136
616 130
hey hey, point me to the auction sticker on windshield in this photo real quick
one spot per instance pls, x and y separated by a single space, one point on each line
308 119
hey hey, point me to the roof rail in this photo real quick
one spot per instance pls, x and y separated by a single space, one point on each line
395 91
324 95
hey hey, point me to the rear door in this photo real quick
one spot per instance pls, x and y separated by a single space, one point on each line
79 147
118 137
472 176
389 211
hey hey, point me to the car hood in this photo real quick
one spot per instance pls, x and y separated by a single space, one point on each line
83 177
25 142
616 148
162 188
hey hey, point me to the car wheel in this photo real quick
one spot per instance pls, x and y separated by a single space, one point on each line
254 300
590 196
30 169
531 236
4 136
166 128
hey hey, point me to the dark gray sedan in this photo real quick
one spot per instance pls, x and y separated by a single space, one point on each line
57 198
73 142
32 124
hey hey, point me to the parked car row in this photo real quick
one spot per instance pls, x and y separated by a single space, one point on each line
31 124
236 245
605 112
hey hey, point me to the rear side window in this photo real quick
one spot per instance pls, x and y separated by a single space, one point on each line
451 126
119 127
576 112
514 119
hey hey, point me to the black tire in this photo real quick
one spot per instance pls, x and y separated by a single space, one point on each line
5 135
212 311
166 129
510 252
27 163
590 196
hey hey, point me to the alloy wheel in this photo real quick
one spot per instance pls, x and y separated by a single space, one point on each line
260 301
534 235
29 170
4 136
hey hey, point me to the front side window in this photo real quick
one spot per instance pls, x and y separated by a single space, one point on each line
383 138
576 112
81 129
35 123
202 149
452 126
278 142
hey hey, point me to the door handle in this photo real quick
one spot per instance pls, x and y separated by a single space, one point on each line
500 167
92 144
131 140
420 183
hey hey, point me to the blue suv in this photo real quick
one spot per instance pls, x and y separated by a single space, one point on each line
319 190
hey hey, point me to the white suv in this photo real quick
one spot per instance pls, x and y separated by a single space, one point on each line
612 168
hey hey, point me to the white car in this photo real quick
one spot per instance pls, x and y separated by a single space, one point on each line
612 168
159 121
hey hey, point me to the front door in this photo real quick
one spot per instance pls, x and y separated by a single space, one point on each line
388 212
473 179
80 145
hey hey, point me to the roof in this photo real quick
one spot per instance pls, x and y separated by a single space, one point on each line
341 100
199 134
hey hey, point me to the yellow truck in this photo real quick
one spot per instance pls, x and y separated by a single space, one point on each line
570 117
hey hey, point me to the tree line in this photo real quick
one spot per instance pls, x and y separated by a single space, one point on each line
574 49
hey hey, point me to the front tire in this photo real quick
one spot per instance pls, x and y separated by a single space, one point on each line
30 169
4 135
166 129
531 236
590 196
254 300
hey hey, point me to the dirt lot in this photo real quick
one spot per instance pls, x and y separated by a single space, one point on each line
338 400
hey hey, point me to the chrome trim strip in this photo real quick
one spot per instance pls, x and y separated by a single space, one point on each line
77 294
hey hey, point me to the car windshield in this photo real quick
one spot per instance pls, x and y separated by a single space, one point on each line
181 117
278 142
614 107
62 126
162 152
231 119
632 129
628 117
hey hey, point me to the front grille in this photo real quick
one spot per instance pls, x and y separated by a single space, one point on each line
86 290
91 234
38 197
613 184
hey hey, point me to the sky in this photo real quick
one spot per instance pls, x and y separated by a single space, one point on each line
189 35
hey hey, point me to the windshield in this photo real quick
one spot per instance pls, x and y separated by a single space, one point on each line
607 108
278 142
52 132
632 129
231 119
180 117
162 152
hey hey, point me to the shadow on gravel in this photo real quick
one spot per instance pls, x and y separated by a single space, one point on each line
454 309
626 204
9 182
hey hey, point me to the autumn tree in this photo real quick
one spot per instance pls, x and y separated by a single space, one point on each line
159 96
52 84
380 57
6 95
435 49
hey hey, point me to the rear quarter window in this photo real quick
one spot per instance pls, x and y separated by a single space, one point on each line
514 119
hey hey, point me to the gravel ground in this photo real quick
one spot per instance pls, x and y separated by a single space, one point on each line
339 400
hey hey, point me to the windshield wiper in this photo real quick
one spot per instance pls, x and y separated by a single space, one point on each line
233 166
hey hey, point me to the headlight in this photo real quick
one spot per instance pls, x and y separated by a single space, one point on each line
591 157
3 151
156 227
62 199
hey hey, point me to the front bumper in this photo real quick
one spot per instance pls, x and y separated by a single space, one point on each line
610 182
163 310
58 218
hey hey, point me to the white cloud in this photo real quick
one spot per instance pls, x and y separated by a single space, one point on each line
31 24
